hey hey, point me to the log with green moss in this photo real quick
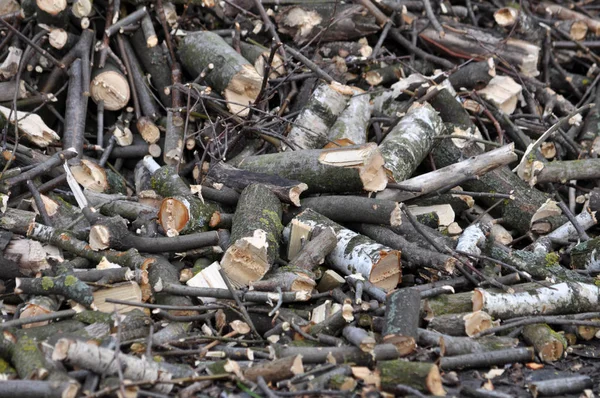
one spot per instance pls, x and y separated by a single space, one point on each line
549 345
347 169
65 285
255 236
232 75
422 376
180 211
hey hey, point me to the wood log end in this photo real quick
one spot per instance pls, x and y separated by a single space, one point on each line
82 8
52 7
478 300
551 351
243 89
99 237
506 16
112 88
148 130
90 176
151 41
173 215
295 193
245 261
124 136
396 216
404 344
433 382
477 322
578 30
386 274
61 349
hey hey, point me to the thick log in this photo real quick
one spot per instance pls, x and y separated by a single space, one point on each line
255 236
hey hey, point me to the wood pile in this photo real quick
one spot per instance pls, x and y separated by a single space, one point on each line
299 198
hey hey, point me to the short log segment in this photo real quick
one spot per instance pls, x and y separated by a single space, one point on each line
549 345
340 355
356 253
458 345
311 127
180 212
461 324
360 338
562 298
562 386
288 191
102 361
255 236
563 171
347 169
424 377
487 359
351 125
65 285
405 147
313 253
276 370
402 319
233 75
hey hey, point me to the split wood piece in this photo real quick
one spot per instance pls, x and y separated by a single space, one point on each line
516 213
288 191
562 298
352 124
225 294
112 232
95 178
334 324
549 345
583 255
563 13
180 212
288 280
563 171
356 253
31 126
110 85
347 169
258 55
474 75
339 355
455 173
322 243
414 256
360 338
539 265
476 43
402 320
330 280
102 360
65 285
586 219
155 64
456 345
174 135
233 75
407 144
560 387
487 359
461 324
308 21
312 126
129 292
422 376
364 210
276 370
255 236
208 277
38 388
503 92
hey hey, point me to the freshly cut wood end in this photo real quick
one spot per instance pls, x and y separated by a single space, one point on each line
82 8
91 176
299 234
551 351
245 261
61 349
578 30
404 344
373 77
32 126
506 16
31 310
243 89
99 237
504 92
151 41
277 66
303 283
148 130
50 205
478 299
124 136
396 216
52 7
387 273
366 158
368 344
433 382
548 209
295 193
297 21
529 64
342 88
476 322
297 367
112 88
174 214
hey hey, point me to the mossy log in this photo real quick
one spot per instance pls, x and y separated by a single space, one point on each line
549 345
584 255
232 75
68 286
356 253
312 126
255 236
347 169
407 144
423 376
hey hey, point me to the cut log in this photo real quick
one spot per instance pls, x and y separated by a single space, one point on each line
405 147
549 345
232 75
422 376
461 324
355 253
255 236
351 125
487 359
110 85
452 346
347 169
276 370
561 386
402 319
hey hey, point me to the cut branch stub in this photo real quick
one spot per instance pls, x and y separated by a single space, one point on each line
255 236
232 75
